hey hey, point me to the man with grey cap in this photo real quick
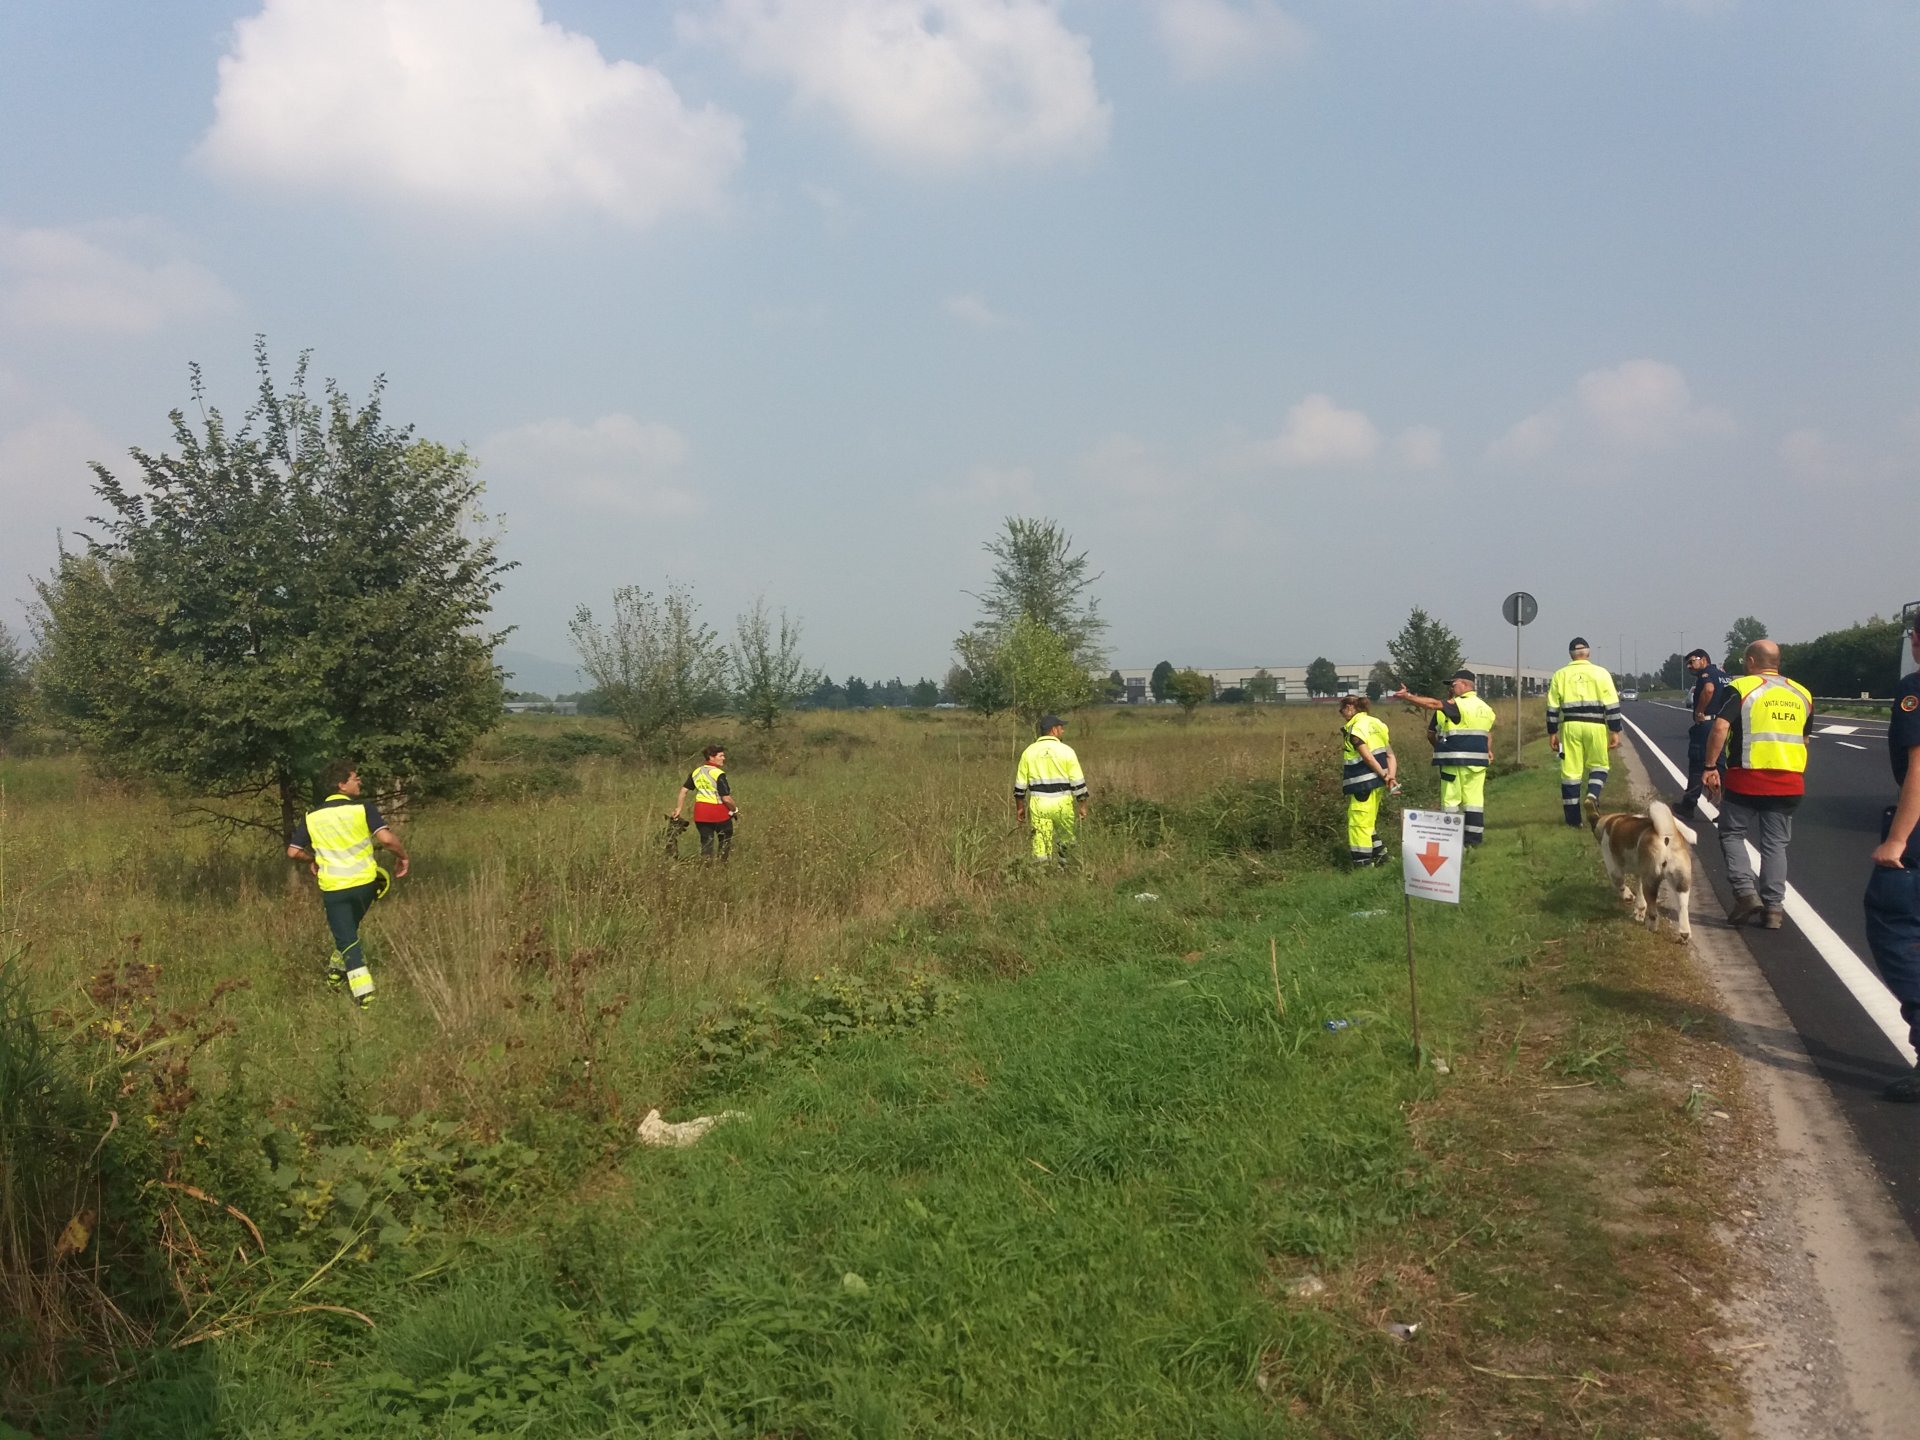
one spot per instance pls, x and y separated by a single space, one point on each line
1583 724
1050 791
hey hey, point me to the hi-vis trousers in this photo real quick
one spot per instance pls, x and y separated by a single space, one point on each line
1053 822
1364 846
1583 758
1464 792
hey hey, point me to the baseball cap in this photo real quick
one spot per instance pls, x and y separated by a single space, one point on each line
1049 722
1699 655
1466 675
1578 642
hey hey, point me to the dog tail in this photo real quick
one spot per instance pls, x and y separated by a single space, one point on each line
1661 814
1592 809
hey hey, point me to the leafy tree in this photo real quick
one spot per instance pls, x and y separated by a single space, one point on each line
1862 659
1190 689
1380 680
859 697
303 587
769 675
1157 682
827 696
925 695
1745 631
1425 654
1262 687
958 684
1322 677
1673 672
1232 695
658 664
1043 674
1114 687
1036 576
15 689
988 689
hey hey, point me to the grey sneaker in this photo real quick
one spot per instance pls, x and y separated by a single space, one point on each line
1745 907
1775 917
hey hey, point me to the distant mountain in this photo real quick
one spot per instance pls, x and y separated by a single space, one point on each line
539 674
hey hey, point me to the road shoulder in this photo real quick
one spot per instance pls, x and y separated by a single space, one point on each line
1824 1321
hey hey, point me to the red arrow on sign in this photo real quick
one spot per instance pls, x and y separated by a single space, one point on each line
1431 857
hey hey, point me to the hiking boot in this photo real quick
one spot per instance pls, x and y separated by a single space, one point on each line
336 980
1905 1090
1745 907
1775 917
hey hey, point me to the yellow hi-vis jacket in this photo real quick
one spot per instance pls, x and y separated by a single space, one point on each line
1466 743
1048 767
1356 776
709 805
1771 733
1582 692
342 843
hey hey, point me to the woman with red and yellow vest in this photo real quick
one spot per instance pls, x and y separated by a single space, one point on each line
713 807
337 841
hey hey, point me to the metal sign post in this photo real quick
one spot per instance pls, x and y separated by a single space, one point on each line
1519 608
1432 851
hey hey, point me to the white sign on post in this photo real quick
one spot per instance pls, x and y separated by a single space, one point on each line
1432 844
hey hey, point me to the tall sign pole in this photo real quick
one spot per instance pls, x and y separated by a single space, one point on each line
1519 608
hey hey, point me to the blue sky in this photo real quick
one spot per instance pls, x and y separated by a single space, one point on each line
1296 315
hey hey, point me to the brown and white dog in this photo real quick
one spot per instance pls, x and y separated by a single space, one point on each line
1643 854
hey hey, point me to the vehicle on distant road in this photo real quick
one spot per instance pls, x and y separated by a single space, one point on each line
1629 694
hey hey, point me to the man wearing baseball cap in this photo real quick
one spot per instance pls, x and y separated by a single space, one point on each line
1050 787
1583 724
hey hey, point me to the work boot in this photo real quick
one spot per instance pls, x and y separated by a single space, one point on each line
1745 907
1775 917
1905 1090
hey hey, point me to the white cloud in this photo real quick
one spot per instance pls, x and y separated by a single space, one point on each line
1638 406
1207 39
45 487
473 105
972 310
115 278
1319 433
617 464
926 82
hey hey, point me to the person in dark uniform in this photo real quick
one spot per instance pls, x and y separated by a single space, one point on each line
1893 890
1708 681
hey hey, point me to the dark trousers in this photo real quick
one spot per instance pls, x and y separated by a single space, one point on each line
345 910
1893 932
715 834
1697 763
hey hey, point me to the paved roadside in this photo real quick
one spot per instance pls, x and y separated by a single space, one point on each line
1826 1317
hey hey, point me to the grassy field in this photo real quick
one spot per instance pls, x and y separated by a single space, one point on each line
1023 1151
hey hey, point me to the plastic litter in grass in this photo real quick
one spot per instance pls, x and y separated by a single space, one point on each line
1440 1067
1365 914
1402 1333
1338 1025
1146 895
655 1131
1308 1287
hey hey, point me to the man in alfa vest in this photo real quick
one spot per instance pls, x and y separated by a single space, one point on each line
1050 787
336 840
713 807
1583 724
1367 770
1761 726
1462 750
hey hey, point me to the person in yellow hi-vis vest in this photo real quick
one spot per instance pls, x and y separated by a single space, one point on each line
1583 725
1462 750
1050 791
1760 727
1367 771
713 804
336 840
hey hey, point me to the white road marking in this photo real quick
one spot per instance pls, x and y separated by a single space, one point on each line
1839 730
1851 971
1850 745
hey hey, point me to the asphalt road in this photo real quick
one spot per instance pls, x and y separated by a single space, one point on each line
1818 964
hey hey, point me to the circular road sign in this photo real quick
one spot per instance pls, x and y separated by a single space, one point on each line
1519 608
